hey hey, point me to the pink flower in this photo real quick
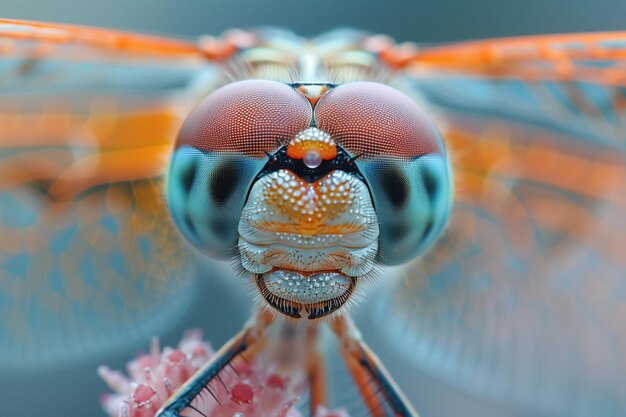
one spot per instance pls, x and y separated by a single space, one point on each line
153 377
253 390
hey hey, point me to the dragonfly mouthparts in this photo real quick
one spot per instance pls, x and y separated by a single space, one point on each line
317 293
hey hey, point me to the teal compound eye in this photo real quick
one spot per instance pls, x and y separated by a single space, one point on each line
221 148
413 199
402 158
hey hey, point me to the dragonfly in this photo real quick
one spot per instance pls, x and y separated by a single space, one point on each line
478 187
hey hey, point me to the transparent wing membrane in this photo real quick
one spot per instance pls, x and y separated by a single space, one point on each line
81 276
521 298
89 260
596 58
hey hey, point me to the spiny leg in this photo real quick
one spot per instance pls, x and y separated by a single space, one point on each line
263 370
248 340
369 373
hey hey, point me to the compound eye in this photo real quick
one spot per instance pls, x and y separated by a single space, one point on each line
221 148
412 199
250 117
402 158
371 119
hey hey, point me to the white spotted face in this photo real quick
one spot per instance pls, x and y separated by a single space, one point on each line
308 242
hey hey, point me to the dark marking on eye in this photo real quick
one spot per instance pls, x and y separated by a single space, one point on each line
221 183
430 184
397 232
190 226
222 229
188 176
428 228
394 186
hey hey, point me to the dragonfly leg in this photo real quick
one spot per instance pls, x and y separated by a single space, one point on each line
369 373
249 340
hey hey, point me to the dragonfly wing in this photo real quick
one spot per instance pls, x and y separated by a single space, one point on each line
89 260
522 298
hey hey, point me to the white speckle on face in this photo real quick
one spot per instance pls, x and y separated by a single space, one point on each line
327 225
305 289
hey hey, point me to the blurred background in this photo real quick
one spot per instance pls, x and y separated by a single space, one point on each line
221 306
405 20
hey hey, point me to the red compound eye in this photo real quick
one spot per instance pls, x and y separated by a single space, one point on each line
372 119
251 117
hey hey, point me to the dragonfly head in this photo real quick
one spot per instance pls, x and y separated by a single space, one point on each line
309 195
308 229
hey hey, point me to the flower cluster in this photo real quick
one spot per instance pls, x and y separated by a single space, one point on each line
254 390
153 377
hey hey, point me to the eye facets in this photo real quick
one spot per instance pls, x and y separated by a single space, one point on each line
311 288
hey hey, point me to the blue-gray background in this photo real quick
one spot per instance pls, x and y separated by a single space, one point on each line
222 310
415 20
